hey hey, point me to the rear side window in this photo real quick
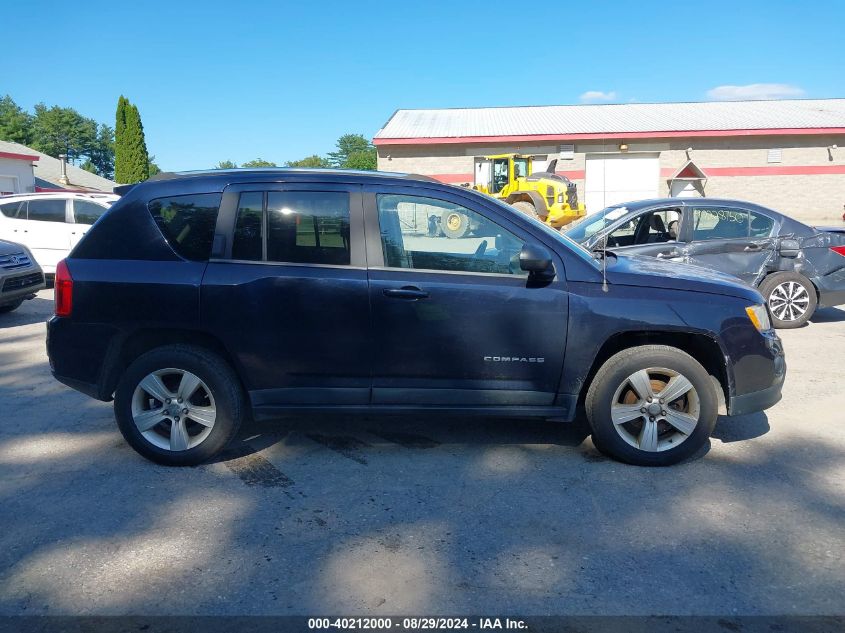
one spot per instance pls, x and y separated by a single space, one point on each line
248 242
761 225
719 223
15 210
308 227
85 212
47 210
187 223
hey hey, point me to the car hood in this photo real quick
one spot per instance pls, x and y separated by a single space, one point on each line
648 272
10 248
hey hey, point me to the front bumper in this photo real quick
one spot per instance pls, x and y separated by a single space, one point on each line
756 400
775 368
14 287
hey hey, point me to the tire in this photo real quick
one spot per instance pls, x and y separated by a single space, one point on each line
218 399
640 439
454 224
9 307
523 206
791 298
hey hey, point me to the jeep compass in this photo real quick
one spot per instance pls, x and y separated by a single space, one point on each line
203 299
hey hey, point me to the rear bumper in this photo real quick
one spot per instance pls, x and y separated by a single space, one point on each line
829 298
80 355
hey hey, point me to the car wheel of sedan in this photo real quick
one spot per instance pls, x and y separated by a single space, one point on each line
791 298
179 405
9 307
651 405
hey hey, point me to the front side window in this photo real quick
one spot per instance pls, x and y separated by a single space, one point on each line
47 210
652 227
85 212
719 223
413 236
308 227
14 210
187 223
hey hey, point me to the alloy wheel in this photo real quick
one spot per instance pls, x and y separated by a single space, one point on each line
173 409
789 301
655 409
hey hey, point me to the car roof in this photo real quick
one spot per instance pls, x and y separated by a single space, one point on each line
62 194
220 178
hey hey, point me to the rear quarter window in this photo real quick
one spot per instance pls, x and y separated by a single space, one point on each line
187 223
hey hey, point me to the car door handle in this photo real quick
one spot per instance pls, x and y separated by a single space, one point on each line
405 292
672 253
752 248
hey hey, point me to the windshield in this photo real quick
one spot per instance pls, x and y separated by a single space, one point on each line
585 228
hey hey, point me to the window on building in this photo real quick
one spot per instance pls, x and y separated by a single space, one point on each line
52 210
412 236
187 223
308 227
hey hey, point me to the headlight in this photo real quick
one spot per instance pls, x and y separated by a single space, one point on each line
759 317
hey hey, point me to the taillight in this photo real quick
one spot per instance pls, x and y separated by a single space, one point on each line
63 289
839 250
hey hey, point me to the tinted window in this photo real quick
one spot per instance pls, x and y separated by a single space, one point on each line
308 227
47 210
719 223
187 223
761 225
412 235
248 241
14 210
85 212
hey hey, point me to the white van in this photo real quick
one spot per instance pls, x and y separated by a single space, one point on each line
50 224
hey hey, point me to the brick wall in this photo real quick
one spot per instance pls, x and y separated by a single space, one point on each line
813 198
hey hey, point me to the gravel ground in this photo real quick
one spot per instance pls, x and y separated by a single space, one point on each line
418 515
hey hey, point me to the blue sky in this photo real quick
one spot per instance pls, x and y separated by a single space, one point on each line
281 80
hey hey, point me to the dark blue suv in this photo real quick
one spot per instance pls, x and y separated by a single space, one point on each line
202 299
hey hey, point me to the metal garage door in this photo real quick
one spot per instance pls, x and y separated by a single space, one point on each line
8 184
614 178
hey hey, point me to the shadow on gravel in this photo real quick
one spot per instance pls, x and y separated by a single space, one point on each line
742 427
37 310
828 315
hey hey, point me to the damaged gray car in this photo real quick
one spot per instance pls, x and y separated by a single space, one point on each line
796 267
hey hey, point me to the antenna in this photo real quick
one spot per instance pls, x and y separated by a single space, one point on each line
604 264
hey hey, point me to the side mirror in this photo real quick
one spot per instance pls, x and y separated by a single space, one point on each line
536 259
600 244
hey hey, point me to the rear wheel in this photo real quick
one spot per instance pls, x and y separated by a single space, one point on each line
652 405
11 306
791 298
179 405
523 206
454 224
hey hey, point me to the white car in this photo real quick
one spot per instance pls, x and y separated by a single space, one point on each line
50 224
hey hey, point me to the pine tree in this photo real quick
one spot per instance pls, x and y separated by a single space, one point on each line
132 161
120 141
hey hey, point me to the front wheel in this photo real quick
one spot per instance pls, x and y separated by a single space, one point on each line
9 307
651 405
179 405
791 298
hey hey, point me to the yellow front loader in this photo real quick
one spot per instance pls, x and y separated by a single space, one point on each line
544 195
